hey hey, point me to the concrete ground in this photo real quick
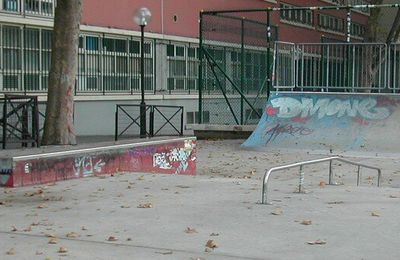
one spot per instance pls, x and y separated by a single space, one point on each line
145 216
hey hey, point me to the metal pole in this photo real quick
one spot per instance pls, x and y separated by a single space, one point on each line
330 173
301 183
269 83
242 71
142 103
348 40
116 124
358 176
200 83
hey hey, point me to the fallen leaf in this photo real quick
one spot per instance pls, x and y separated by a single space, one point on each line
375 214
41 206
189 230
53 241
277 212
214 234
306 222
211 244
145 206
11 251
84 228
394 197
72 235
39 253
141 178
317 242
50 235
125 206
13 229
62 250
208 250
165 253
336 202
28 229
129 239
322 184
112 238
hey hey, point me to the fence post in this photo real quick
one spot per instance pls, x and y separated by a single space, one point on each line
200 120
151 126
269 86
116 123
242 70
35 121
4 121
181 133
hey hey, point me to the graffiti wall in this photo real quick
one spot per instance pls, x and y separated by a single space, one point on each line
177 157
328 121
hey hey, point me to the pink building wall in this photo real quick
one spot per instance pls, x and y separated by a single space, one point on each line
180 17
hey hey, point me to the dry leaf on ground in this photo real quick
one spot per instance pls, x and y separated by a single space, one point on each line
62 250
145 206
277 212
375 214
322 184
72 235
189 230
11 251
53 241
211 244
317 242
112 238
306 222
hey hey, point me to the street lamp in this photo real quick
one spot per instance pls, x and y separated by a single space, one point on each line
142 18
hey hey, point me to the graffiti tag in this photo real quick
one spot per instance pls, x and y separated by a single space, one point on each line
288 107
176 158
289 129
87 166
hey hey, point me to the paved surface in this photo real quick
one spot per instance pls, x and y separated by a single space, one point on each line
219 204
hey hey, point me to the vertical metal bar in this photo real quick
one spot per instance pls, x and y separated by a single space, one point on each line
348 40
116 124
200 83
151 126
353 69
242 71
330 173
327 68
358 175
142 103
269 74
301 182
5 121
379 177
182 112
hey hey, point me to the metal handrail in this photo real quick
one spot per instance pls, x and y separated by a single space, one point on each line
301 164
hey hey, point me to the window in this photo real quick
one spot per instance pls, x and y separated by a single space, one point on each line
39 7
182 67
11 5
193 117
332 23
297 16
357 30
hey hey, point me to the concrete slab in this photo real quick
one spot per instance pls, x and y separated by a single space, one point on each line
220 203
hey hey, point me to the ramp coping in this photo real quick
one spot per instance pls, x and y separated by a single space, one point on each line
301 164
96 149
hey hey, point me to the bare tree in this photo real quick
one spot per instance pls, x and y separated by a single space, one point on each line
59 126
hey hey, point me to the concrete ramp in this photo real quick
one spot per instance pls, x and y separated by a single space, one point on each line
332 122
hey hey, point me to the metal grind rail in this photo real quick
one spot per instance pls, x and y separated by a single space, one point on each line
301 172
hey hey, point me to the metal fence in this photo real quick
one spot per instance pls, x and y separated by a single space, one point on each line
350 67
234 58
160 121
19 121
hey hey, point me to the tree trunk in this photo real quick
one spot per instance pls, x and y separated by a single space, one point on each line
58 125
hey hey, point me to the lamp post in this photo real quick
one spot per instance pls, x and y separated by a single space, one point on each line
142 18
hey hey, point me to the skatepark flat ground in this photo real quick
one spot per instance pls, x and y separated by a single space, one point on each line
159 216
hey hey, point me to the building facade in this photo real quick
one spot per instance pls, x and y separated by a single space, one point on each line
109 49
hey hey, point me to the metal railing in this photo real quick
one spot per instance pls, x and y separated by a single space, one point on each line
328 67
43 8
161 120
301 173
20 120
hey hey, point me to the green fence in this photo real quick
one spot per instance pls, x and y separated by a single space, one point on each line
234 79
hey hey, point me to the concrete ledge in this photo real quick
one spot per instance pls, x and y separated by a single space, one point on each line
170 156
206 131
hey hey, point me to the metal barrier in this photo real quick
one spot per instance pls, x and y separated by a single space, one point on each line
330 67
161 120
301 181
20 120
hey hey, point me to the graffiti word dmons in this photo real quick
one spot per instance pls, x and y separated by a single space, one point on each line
288 107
